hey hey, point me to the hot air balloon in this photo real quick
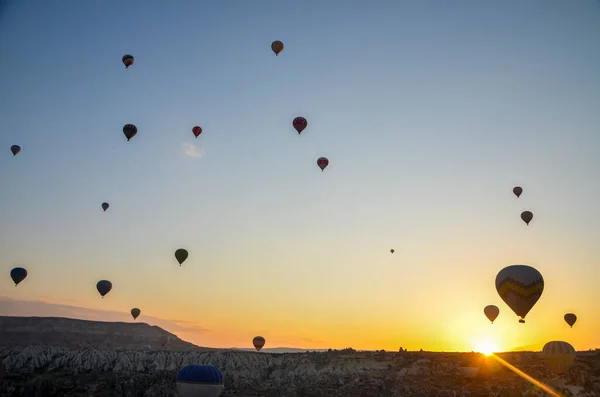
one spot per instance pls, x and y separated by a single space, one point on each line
130 131
258 342
128 60
135 312
104 287
527 216
300 124
15 149
196 380
520 287
197 131
570 318
163 340
146 348
181 255
517 190
105 206
559 356
392 250
18 274
491 312
277 47
322 162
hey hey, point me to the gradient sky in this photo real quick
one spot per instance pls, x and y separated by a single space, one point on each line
430 112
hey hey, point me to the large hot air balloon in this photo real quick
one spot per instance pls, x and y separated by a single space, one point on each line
527 216
15 149
520 287
105 206
277 47
491 312
181 255
135 312
300 124
130 131
18 274
517 190
392 250
103 287
559 356
128 60
163 340
570 318
322 162
197 131
196 380
258 342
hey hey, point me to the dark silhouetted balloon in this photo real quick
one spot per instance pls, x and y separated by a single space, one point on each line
517 191
130 131
491 312
15 149
18 274
128 60
520 287
258 342
135 312
322 162
196 131
105 206
527 216
277 47
197 380
181 255
392 250
570 318
103 287
300 124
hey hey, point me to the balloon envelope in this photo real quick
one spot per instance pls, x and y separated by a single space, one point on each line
181 255
196 131
277 47
527 216
129 130
300 124
196 380
15 149
322 162
570 318
258 342
135 312
128 60
104 287
520 287
18 274
392 250
517 190
105 206
163 340
559 356
491 312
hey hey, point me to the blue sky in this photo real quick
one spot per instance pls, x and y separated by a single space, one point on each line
429 112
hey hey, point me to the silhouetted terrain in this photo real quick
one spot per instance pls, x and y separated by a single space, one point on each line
66 371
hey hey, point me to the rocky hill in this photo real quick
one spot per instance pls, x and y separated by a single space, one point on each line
72 333
54 371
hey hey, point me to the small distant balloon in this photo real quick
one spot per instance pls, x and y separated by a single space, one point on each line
197 131
322 162
103 287
105 206
135 312
181 255
518 190
300 124
163 340
15 149
197 380
491 312
392 250
18 274
526 216
520 287
130 131
570 318
258 342
128 60
277 47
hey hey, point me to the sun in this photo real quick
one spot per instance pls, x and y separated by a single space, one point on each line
487 347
